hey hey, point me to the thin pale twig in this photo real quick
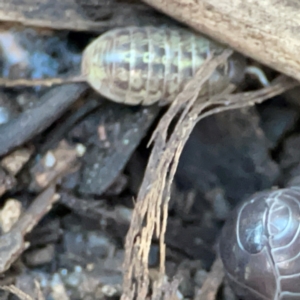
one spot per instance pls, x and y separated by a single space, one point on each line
152 200
13 242
212 283
47 82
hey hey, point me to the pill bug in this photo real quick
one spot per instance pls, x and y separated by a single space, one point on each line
260 246
143 65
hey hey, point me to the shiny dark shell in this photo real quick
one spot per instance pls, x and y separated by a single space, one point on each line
260 246
144 65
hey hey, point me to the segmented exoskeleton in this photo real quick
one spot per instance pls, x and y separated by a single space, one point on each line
260 246
142 65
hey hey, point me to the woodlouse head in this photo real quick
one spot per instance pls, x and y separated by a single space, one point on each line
260 246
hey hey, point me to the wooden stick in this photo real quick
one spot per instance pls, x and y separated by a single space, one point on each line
96 16
265 30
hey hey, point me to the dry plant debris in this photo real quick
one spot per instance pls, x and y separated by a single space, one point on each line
111 134
36 119
55 163
10 214
79 15
212 283
95 209
12 242
151 210
7 181
23 296
15 161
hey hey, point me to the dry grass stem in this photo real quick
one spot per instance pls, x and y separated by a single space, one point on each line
151 211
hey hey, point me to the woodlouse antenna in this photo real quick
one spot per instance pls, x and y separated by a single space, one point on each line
259 74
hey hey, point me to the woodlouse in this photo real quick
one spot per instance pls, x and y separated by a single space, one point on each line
260 246
142 65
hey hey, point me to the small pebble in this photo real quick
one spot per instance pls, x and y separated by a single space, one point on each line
50 160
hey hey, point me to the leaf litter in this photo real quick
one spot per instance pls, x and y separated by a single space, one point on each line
149 218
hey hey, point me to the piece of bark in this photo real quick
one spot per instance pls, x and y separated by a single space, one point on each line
110 134
7 181
16 160
267 30
40 256
96 210
56 162
33 121
10 214
12 243
81 15
212 283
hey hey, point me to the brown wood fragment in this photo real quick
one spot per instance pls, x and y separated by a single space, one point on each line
34 120
59 15
267 30
15 161
114 133
12 243
7 181
55 163
95 209
78 15
23 296
212 283
10 214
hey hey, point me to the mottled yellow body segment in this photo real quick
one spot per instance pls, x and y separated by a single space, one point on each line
142 65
